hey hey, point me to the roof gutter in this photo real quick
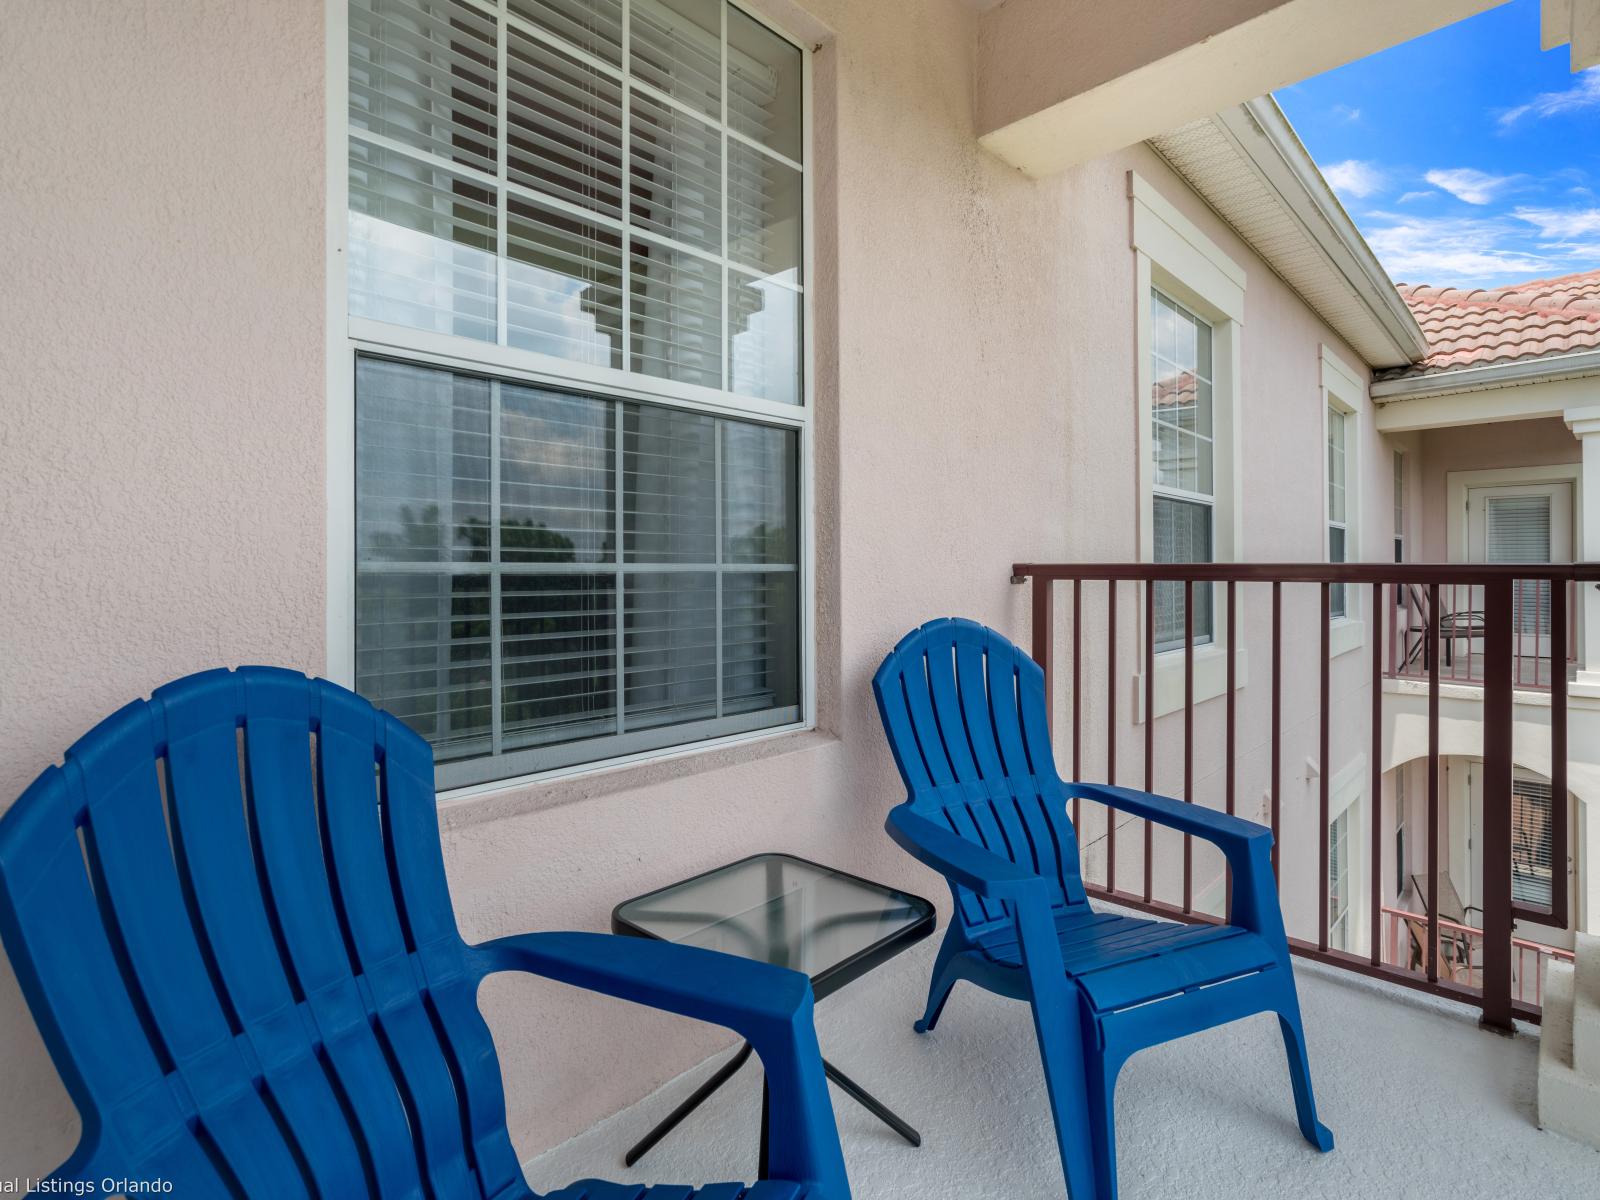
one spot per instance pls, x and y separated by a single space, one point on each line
1266 139
1495 375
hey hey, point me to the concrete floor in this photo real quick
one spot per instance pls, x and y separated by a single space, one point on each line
1421 1102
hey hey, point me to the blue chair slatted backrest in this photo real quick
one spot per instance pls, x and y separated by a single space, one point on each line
966 716
228 911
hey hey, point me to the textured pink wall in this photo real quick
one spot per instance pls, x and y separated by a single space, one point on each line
164 449
161 218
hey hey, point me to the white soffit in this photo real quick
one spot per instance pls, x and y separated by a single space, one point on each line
1247 164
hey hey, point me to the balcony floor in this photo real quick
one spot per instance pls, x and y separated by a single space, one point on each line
1422 1103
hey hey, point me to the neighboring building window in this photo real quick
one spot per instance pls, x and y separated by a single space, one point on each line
1339 886
1338 529
1532 819
1402 863
1399 507
1183 438
583 539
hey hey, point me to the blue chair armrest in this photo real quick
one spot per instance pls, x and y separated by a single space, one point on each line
771 1007
963 862
1247 846
1219 828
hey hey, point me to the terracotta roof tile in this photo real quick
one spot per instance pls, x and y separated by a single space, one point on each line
1474 327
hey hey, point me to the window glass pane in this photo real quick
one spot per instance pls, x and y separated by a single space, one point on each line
764 339
557 464
1336 539
429 187
760 641
563 125
759 493
1532 815
563 285
508 645
763 213
677 315
594 26
1336 465
422 72
422 465
1182 535
675 182
670 486
558 650
677 48
423 654
422 245
671 642
764 84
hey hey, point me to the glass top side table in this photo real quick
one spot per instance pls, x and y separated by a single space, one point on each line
777 908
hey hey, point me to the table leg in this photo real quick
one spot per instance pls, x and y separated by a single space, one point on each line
871 1103
699 1097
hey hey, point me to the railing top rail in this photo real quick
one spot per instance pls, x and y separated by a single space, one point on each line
1310 572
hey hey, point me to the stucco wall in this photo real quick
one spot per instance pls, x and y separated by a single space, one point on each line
164 454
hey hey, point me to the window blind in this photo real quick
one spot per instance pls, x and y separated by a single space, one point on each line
644 208
1532 815
1517 530
545 578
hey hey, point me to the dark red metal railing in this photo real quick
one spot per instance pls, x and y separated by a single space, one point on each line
1502 639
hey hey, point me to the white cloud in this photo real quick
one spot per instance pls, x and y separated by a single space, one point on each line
1408 197
1561 224
1583 94
1459 251
1352 177
1468 184
1345 113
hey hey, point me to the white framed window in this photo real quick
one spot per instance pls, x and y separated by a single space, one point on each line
1347 879
1183 438
1338 493
1190 320
1402 858
1344 398
1533 817
570 382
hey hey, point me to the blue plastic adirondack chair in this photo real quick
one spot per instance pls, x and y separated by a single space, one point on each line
228 913
965 713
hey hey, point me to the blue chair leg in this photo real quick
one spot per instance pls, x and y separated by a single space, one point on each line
1102 1112
944 978
1294 1044
1061 1050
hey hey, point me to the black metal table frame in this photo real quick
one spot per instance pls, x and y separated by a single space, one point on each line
824 983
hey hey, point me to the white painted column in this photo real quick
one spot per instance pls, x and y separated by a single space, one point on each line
1585 425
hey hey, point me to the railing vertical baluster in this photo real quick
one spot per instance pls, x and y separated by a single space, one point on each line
1497 725
1325 656
1149 730
1188 735
1558 754
1277 718
1432 636
1077 699
1376 759
1111 730
1232 649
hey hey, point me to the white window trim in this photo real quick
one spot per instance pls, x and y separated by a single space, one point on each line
1347 792
1172 254
1342 390
348 337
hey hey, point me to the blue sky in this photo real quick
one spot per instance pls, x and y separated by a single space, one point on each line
1466 157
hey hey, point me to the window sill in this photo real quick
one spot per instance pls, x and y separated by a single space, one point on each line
1346 634
479 803
1210 679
